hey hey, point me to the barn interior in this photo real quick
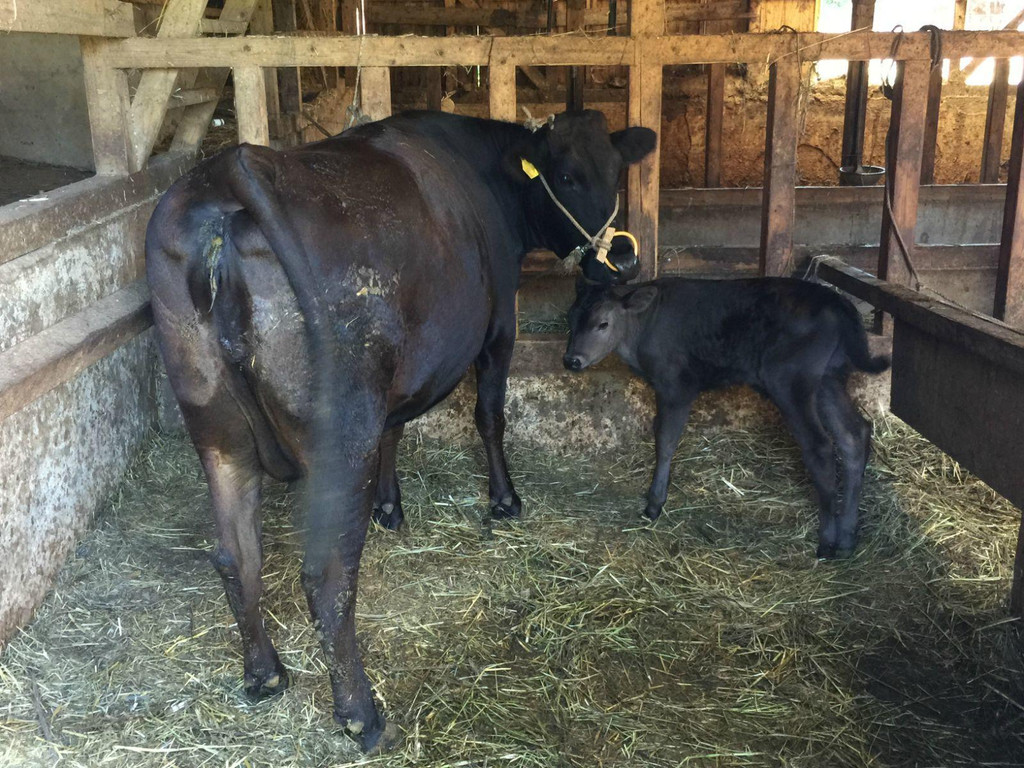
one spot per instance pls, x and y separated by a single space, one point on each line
843 140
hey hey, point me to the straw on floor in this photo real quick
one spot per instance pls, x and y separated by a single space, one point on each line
576 637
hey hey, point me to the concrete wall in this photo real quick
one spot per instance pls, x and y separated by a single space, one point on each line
43 114
65 451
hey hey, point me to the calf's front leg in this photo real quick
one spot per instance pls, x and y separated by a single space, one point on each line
673 411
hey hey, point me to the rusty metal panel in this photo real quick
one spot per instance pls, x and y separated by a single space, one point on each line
969 407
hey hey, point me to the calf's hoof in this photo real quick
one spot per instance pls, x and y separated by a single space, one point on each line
380 736
388 516
834 552
507 506
263 686
652 512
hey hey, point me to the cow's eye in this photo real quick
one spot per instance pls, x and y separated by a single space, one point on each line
564 178
602 326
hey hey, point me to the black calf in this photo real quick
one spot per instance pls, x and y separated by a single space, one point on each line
794 342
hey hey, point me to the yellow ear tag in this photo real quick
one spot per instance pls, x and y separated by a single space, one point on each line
529 169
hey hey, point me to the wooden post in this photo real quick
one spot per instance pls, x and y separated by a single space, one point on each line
288 81
995 118
1009 300
778 198
251 105
574 21
375 92
931 125
262 23
647 22
909 105
106 91
713 126
502 81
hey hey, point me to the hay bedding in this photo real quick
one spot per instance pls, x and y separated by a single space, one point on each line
578 637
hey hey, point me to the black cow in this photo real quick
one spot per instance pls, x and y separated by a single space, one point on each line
310 302
793 341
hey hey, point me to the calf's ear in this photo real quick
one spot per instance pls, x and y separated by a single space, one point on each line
640 299
634 144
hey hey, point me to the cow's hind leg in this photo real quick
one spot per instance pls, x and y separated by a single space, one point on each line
796 398
387 505
341 488
851 434
235 485
492 366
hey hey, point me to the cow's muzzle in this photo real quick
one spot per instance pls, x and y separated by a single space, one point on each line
573 362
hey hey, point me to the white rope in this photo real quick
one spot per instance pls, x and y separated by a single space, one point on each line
594 241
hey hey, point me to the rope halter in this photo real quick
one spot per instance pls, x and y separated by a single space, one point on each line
602 241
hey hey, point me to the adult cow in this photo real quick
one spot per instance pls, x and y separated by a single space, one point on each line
310 302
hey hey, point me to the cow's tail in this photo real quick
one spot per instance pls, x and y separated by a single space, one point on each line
855 341
252 183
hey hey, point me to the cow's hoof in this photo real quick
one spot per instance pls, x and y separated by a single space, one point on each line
388 516
380 737
652 512
834 552
259 687
507 506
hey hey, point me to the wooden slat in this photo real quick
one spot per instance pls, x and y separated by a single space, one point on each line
1009 298
502 80
931 125
645 93
995 119
31 369
251 106
180 18
106 92
778 207
375 89
713 126
98 18
909 106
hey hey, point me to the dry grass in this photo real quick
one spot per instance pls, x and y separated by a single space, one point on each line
577 637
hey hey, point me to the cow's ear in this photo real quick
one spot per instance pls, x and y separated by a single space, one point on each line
640 299
634 144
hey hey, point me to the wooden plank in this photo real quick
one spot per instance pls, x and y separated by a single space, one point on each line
251 106
375 92
995 119
106 92
58 354
288 85
30 224
713 126
180 18
502 81
647 21
931 125
97 18
1009 298
909 107
778 211
971 409
343 50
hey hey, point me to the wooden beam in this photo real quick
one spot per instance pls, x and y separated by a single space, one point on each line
375 92
907 120
713 126
995 119
778 203
31 369
98 18
502 82
1009 298
180 18
251 106
647 21
931 125
106 92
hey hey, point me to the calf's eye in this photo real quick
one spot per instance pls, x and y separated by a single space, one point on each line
564 178
602 326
